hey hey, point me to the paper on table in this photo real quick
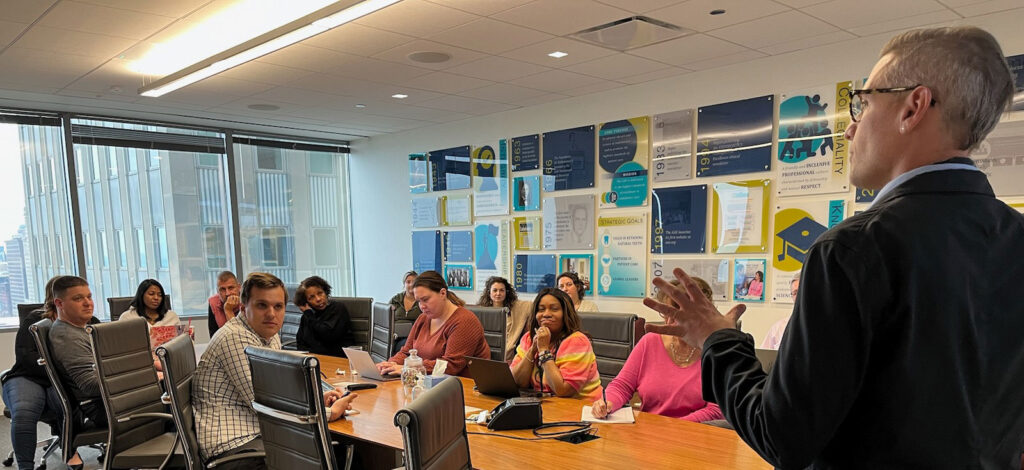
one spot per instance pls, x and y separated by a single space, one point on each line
622 416
471 409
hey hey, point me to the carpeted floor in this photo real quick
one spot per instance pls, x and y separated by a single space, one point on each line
52 463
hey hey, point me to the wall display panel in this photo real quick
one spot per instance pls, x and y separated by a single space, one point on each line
1016 63
526 193
735 137
459 276
623 149
427 212
813 153
534 272
569 222
493 251
713 271
450 168
679 217
526 153
748 280
569 159
864 196
672 146
419 173
426 250
458 246
622 255
739 217
458 210
1019 206
582 265
528 233
797 226
1001 157
490 180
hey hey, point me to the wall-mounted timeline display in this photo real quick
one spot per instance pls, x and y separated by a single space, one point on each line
622 255
582 265
748 280
490 180
569 158
672 146
797 226
739 217
735 137
864 196
531 273
528 233
459 276
450 168
813 152
426 212
679 217
458 246
525 152
623 151
419 173
713 271
1016 63
1001 157
526 193
493 251
426 250
569 222
458 210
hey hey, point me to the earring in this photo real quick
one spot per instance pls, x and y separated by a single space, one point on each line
903 129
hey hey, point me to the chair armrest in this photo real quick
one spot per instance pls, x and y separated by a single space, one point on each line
231 458
146 415
165 399
290 344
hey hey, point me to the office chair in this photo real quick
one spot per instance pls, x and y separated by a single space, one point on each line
493 321
434 429
613 336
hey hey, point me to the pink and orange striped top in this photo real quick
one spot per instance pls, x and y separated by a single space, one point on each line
575 360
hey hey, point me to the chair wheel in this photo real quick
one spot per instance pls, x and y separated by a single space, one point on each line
9 461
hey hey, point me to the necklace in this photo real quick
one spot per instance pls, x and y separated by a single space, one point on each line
674 347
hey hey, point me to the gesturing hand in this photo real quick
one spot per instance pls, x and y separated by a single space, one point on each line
543 338
695 317
231 304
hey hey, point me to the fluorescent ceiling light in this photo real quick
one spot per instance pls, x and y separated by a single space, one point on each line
324 19
558 54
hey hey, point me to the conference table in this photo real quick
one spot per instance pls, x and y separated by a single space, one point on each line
653 441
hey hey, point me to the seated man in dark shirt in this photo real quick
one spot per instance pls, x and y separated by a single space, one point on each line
71 348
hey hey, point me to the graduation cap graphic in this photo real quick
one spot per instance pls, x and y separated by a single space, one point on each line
797 238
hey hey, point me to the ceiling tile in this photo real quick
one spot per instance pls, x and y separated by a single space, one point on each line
416 18
985 7
415 95
114 73
688 49
230 86
64 41
556 81
305 98
44 69
466 105
800 3
504 93
640 6
807 43
586 90
400 54
303 57
10 30
172 8
578 52
78 16
562 17
722 61
775 29
652 76
481 7
354 38
932 18
25 85
867 12
197 96
498 69
617 66
105 95
694 14
266 73
544 99
490 36
241 106
444 82
426 114
383 71
327 83
24 11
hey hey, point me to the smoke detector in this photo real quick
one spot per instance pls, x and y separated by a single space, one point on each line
631 33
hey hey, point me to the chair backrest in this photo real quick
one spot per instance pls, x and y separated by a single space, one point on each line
41 334
434 429
178 358
128 383
25 309
380 337
360 309
613 336
118 305
290 408
493 320
292 319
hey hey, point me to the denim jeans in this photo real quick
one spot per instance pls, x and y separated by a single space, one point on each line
29 403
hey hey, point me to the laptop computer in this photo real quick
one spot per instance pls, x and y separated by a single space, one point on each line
767 358
362 362
495 378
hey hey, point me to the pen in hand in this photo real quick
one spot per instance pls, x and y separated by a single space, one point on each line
604 399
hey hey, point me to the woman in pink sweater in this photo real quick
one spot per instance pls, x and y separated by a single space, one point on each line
665 371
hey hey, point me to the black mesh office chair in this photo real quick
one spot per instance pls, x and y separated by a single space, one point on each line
178 358
434 429
131 394
613 336
493 320
380 336
292 319
118 305
289 404
360 310
71 434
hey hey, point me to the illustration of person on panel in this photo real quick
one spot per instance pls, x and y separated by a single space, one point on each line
570 283
580 223
498 292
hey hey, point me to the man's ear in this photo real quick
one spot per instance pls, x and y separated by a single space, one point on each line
916 106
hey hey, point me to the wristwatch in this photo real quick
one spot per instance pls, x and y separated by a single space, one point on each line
544 357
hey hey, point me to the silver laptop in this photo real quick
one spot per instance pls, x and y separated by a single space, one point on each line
362 362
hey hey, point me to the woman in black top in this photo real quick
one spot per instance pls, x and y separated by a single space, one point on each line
325 327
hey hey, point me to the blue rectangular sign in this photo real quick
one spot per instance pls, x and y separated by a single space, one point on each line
569 159
526 153
450 168
679 218
534 272
735 137
458 246
426 250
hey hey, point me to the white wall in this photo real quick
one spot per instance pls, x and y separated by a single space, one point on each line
379 172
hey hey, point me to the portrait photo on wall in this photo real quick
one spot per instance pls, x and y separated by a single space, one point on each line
526 193
582 265
459 276
748 280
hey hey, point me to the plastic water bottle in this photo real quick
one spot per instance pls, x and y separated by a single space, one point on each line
412 371
418 389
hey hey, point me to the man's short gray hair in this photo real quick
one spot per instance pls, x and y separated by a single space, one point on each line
966 71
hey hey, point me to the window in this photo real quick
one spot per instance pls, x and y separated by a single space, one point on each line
325 242
104 257
88 249
321 163
140 238
161 248
122 252
277 247
216 248
268 158
209 160
133 161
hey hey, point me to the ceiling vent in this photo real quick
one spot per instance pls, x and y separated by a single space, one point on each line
631 33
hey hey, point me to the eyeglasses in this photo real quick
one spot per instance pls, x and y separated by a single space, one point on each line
857 103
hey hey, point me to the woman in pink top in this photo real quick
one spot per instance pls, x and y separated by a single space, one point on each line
756 286
665 371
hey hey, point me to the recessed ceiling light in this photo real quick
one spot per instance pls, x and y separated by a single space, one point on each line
429 57
360 105
399 96
558 54
264 107
718 12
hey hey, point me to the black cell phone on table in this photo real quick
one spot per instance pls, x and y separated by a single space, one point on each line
360 386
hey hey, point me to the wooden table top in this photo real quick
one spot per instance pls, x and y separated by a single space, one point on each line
652 442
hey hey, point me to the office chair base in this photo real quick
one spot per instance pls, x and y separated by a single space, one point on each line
9 460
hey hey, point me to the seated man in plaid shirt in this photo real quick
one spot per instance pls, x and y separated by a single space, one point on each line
222 391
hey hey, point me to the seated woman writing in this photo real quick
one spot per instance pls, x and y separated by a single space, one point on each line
554 355
666 373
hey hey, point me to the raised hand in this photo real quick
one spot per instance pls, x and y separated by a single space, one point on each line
694 316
